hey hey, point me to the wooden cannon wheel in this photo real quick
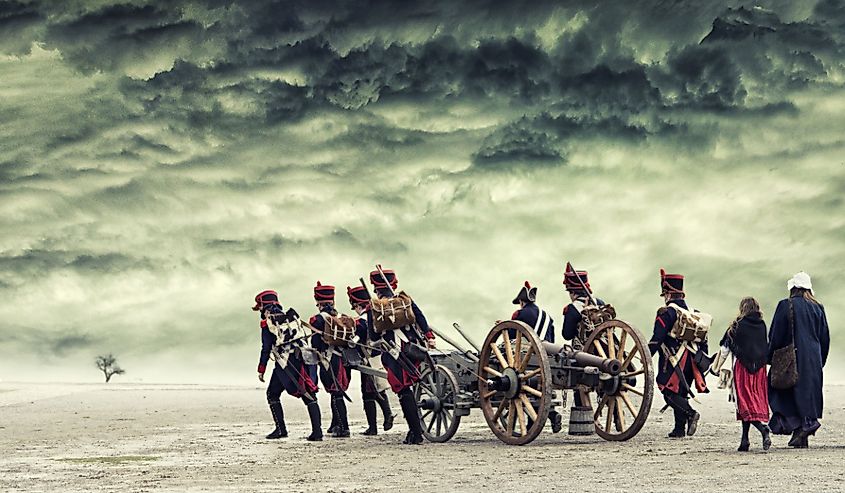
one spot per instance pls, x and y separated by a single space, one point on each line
435 396
621 413
515 392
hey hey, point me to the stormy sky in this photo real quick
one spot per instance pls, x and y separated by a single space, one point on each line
161 163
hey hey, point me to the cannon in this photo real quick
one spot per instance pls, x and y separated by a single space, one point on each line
512 377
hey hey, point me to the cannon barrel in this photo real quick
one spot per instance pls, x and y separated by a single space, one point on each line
583 359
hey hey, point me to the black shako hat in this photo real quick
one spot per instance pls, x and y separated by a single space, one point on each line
526 294
671 283
323 294
357 295
267 297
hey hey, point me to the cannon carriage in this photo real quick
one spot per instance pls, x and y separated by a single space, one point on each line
513 377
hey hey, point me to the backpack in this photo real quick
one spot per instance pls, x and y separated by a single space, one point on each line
691 325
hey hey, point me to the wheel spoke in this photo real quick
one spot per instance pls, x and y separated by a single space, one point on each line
439 422
498 354
521 415
489 394
620 414
611 344
600 349
511 417
500 409
611 406
425 415
622 341
525 359
532 390
508 349
628 359
517 352
633 373
597 412
431 423
632 389
628 404
528 407
492 371
531 373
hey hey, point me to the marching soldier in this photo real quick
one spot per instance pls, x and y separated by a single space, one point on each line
402 371
537 318
334 375
291 374
373 389
674 379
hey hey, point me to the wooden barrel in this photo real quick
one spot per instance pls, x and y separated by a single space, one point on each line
581 421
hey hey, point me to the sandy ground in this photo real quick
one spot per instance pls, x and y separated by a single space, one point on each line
124 437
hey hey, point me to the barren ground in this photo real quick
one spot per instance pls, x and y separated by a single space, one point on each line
131 437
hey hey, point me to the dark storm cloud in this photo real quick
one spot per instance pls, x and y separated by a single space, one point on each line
188 152
41 263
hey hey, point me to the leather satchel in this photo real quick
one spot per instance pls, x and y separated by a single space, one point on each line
784 372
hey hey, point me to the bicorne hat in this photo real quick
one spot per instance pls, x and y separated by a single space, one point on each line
671 283
267 297
526 294
323 294
576 281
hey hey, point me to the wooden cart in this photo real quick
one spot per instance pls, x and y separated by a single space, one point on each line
513 375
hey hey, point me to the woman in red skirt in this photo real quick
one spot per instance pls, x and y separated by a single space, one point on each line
746 340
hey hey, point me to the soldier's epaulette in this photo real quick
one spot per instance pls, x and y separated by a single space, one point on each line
566 309
662 310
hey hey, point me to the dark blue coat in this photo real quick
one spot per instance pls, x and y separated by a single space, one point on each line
812 342
666 376
536 318
572 319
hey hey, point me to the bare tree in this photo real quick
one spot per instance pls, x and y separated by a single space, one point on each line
108 365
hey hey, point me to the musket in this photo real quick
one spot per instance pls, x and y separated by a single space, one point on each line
329 369
428 357
583 286
299 386
682 380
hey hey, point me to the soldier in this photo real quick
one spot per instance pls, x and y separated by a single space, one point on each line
578 286
674 383
537 318
334 375
373 389
291 374
402 372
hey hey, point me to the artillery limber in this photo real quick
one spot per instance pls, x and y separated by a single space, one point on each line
513 377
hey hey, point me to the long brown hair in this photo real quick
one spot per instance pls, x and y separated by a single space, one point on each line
805 293
748 306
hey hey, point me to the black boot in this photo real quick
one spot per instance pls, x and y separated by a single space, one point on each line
412 416
279 418
680 429
556 420
743 442
767 438
370 412
692 423
316 428
342 429
384 404
799 439
333 425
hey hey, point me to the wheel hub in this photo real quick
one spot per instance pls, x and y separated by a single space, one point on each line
513 382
